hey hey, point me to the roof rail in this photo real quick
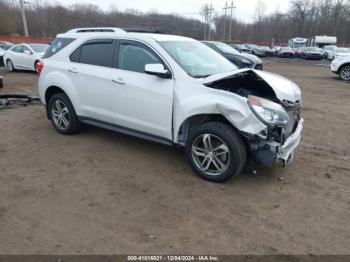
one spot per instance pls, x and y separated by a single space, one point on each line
97 29
141 30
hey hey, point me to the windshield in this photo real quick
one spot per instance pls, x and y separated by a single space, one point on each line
39 48
197 59
226 48
265 48
286 49
298 45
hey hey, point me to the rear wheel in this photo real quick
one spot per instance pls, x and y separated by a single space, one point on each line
62 114
215 151
344 73
9 66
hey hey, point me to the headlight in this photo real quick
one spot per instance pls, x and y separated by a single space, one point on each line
270 113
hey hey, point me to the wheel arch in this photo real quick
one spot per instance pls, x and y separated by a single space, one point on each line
342 66
198 119
50 91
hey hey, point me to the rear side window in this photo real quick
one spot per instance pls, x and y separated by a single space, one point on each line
94 52
57 46
18 49
99 53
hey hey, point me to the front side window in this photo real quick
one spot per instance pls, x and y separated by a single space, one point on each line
134 57
197 59
26 49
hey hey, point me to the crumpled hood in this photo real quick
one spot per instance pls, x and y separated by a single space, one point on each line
283 88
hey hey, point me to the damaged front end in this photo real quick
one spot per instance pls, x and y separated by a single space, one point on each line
276 102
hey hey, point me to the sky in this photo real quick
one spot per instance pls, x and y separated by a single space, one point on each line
245 9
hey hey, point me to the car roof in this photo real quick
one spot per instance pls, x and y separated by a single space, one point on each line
112 32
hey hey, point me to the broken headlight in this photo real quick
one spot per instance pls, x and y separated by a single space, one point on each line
270 113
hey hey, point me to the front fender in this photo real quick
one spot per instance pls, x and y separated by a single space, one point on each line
233 107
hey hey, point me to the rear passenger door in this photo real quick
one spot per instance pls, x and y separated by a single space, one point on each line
90 71
139 101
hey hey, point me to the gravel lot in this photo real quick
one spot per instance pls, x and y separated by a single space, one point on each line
101 192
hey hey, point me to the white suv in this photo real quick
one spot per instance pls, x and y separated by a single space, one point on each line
173 90
341 67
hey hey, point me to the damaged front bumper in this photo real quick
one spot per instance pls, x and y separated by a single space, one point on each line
271 152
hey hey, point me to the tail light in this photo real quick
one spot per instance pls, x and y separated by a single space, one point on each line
39 67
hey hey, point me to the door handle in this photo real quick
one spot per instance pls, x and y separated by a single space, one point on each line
73 70
119 81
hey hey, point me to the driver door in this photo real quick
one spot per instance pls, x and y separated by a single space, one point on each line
139 101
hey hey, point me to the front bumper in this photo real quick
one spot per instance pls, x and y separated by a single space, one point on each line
271 152
285 152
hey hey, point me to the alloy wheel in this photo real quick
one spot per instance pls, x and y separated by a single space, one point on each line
9 66
345 74
210 154
60 114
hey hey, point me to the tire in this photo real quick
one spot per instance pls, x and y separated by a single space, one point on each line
223 138
344 73
63 115
9 66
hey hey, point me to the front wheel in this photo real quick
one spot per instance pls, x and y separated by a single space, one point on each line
215 151
344 73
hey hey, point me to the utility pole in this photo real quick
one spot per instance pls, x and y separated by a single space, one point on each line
24 21
225 8
231 7
210 12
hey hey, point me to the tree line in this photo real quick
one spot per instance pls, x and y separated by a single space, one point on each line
305 18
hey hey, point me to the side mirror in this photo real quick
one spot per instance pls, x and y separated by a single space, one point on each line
28 52
157 70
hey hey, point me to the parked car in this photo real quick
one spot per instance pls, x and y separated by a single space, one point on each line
286 52
24 56
268 51
241 60
341 67
341 52
255 50
329 51
173 90
240 48
313 53
3 47
299 52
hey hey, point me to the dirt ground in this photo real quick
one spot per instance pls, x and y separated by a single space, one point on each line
100 192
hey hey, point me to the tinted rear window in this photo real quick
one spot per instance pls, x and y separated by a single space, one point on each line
98 53
57 46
